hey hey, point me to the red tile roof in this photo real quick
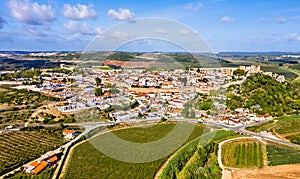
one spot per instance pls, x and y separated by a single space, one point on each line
53 159
40 167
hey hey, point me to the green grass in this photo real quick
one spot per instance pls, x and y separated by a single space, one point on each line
138 134
88 162
242 154
278 155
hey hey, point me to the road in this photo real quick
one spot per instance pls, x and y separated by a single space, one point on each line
240 129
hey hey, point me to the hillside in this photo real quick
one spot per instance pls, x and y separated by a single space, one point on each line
262 94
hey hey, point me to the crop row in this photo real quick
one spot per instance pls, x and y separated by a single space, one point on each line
279 155
19 147
242 154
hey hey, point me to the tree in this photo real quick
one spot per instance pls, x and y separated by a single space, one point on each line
98 81
64 80
239 72
98 91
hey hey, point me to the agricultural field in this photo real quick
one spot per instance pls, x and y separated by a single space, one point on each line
279 71
242 154
44 175
278 155
197 159
20 147
286 127
79 165
17 106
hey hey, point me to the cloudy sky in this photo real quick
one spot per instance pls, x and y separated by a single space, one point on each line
227 25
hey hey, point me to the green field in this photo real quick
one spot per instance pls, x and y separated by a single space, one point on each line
87 162
279 71
278 155
198 158
287 126
20 147
242 154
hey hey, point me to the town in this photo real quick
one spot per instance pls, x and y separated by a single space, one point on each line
128 94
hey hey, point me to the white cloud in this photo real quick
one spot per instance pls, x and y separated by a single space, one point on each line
75 27
117 35
194 6
36 32
293 37
226 19
79 12
122 14
31 13
161 31
183 32
281 20
261 20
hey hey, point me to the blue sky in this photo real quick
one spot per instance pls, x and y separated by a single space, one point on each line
226 25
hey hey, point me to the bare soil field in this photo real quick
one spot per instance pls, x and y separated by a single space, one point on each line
274 172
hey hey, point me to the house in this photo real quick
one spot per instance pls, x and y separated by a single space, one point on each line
123 116
31 166
69 134
53 159
102 106
42 166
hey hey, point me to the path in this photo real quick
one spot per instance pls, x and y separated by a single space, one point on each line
226 174
159 172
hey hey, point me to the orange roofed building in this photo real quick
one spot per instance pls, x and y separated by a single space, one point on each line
43 165
69 134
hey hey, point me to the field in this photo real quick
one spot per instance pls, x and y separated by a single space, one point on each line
198 158
274 172
279 155
87 162
17 106
44 175
286 127
279 71
19 147
242 154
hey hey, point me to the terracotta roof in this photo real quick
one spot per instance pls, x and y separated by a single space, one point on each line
40 167
106 93
53 159
34 163
66 131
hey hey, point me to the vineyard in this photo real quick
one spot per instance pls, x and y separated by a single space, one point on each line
44 175
87 162
20 147
197 159
279 155
242 154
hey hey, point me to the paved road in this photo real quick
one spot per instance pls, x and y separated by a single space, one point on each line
241 129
